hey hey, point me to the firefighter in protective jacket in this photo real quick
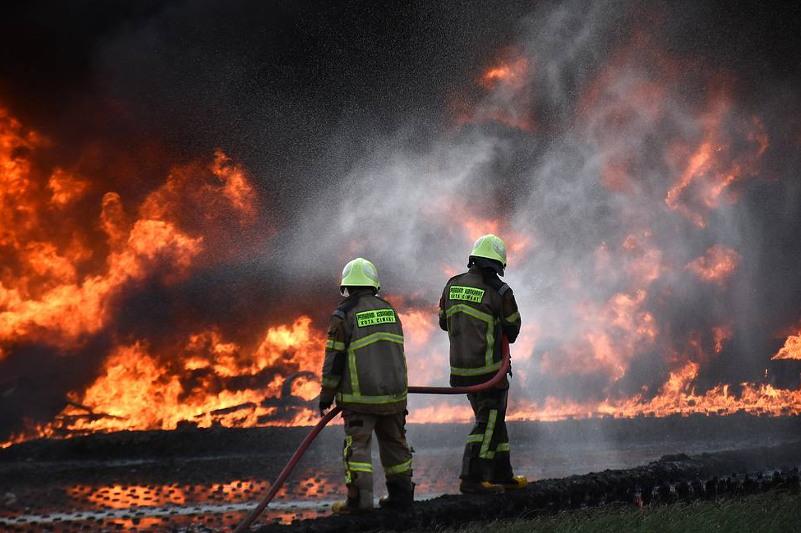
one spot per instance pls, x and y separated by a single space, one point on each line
476 308
365 370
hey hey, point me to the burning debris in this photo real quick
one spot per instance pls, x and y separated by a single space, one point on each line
791 348
136 392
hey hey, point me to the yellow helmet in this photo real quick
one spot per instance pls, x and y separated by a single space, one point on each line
360 273
490 247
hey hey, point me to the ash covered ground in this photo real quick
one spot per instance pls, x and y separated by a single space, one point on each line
208 479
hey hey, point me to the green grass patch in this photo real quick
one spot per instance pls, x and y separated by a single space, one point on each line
768 512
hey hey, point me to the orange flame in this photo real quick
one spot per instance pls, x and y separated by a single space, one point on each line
441 413
65 187
716 265
791 348
517 244
713 167
720 334
508 96
642 84
43 297
510 74
136 390
676 397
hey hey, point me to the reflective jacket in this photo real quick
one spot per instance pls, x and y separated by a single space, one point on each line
475 309
364 360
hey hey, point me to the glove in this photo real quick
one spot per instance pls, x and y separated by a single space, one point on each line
325 403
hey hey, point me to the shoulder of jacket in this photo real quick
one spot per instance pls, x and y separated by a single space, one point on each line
345 307
384 301
456 277
497 284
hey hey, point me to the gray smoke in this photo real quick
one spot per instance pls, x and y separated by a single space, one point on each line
606 288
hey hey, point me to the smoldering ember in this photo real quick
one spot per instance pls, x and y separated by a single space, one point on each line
182 184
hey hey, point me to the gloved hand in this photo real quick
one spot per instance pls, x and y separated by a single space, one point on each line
324 406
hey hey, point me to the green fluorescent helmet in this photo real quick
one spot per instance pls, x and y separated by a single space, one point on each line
360 273
491 247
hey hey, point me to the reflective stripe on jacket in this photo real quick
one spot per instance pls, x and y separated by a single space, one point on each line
472 310
373 377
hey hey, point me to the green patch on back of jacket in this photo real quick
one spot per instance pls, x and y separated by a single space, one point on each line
468 294
375 317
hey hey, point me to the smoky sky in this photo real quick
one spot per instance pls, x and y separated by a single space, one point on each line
297 90
273 83
342 113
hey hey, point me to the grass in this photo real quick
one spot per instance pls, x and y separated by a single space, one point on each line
767 512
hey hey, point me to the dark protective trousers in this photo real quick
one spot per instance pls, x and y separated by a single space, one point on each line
396 458
486 454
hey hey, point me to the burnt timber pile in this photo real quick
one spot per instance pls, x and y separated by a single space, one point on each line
670 479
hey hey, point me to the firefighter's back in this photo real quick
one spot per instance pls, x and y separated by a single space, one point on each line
374 378
471 309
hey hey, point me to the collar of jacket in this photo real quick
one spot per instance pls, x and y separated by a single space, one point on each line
355 293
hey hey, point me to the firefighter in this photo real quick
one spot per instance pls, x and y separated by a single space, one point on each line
365 370
476 308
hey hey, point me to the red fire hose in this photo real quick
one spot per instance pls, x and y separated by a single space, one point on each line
246 523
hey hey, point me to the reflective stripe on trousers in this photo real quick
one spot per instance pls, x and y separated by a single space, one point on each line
486 454
395 454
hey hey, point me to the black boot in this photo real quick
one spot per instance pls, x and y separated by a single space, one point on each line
400 494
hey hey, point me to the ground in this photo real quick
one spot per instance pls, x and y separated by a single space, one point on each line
775 511
207 480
